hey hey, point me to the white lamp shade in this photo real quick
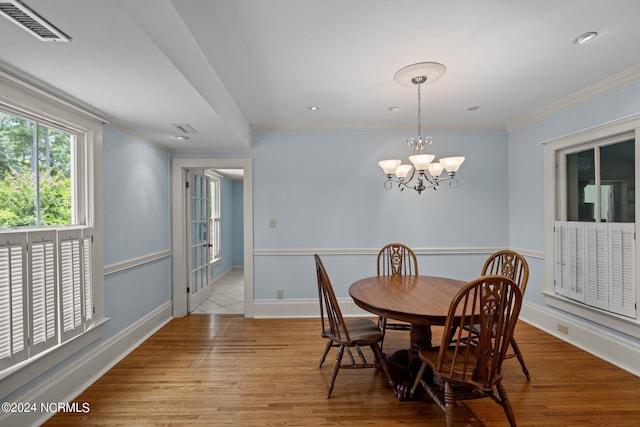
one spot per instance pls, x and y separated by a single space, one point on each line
452 164
420 161
389 166
402 171
435 169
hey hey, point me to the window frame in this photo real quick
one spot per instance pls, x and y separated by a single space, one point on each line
555 194
25 100
215 217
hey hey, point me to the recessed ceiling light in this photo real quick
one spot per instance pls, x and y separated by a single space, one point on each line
474 108
314 108
182 137
393 108
583 38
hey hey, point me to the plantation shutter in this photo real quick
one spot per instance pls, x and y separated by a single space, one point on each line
576 269
87 269
561 280
71 298
622 274
13 306
42 284
597 265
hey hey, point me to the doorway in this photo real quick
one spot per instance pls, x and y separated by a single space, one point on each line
181 267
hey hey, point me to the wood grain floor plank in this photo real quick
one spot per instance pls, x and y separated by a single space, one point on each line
222 370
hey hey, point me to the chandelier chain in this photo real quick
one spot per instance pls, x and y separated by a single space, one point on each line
419 114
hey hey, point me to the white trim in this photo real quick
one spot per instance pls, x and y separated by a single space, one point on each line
631 75
374 251
610 348
18 375
178 194
68 383
48 95
135 262
609 319
302 308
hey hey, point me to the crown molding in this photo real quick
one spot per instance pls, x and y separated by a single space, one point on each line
631 75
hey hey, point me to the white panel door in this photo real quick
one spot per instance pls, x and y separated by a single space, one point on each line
198 213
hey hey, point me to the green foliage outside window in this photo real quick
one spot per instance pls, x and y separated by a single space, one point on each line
35 167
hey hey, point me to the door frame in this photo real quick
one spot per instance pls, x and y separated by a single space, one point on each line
178 225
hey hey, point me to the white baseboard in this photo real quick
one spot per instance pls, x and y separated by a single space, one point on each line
615 350
619 351
66 384
301 307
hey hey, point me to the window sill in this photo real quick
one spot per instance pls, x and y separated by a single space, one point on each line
625 325
17 376
216 262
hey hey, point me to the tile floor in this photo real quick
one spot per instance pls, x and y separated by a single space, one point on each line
227 294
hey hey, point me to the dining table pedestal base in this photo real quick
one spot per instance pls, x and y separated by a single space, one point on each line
405 364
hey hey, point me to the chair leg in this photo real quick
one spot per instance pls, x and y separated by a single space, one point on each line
419 376
516 350
506 405
326 351
382 324
336 368
382 361
448 403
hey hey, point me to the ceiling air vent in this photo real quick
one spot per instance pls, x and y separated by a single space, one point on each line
21 15
185 128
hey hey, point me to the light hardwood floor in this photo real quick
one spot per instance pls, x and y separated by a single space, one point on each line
225 370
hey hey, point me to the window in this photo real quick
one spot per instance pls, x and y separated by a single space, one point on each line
214 218
48 251
36 168
590 206
601 182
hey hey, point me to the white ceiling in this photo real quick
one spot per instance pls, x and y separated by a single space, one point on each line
225 66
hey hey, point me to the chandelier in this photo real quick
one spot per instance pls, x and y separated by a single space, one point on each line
423 172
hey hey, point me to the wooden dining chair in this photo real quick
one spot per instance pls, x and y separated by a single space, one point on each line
460 371
514 266
396 259
346 334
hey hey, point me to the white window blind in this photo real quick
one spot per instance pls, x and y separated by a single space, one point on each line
561 281
595 264
13 324
46 294
43 299
576 261
622 276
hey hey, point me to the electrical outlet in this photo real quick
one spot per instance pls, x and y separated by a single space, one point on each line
563 328
280 294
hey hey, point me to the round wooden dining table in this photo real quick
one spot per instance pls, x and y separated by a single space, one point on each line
422 301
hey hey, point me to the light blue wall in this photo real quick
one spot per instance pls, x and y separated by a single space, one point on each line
136 224
136 197
526 168
231 226
325 190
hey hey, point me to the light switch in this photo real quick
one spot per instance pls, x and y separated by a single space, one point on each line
272 223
